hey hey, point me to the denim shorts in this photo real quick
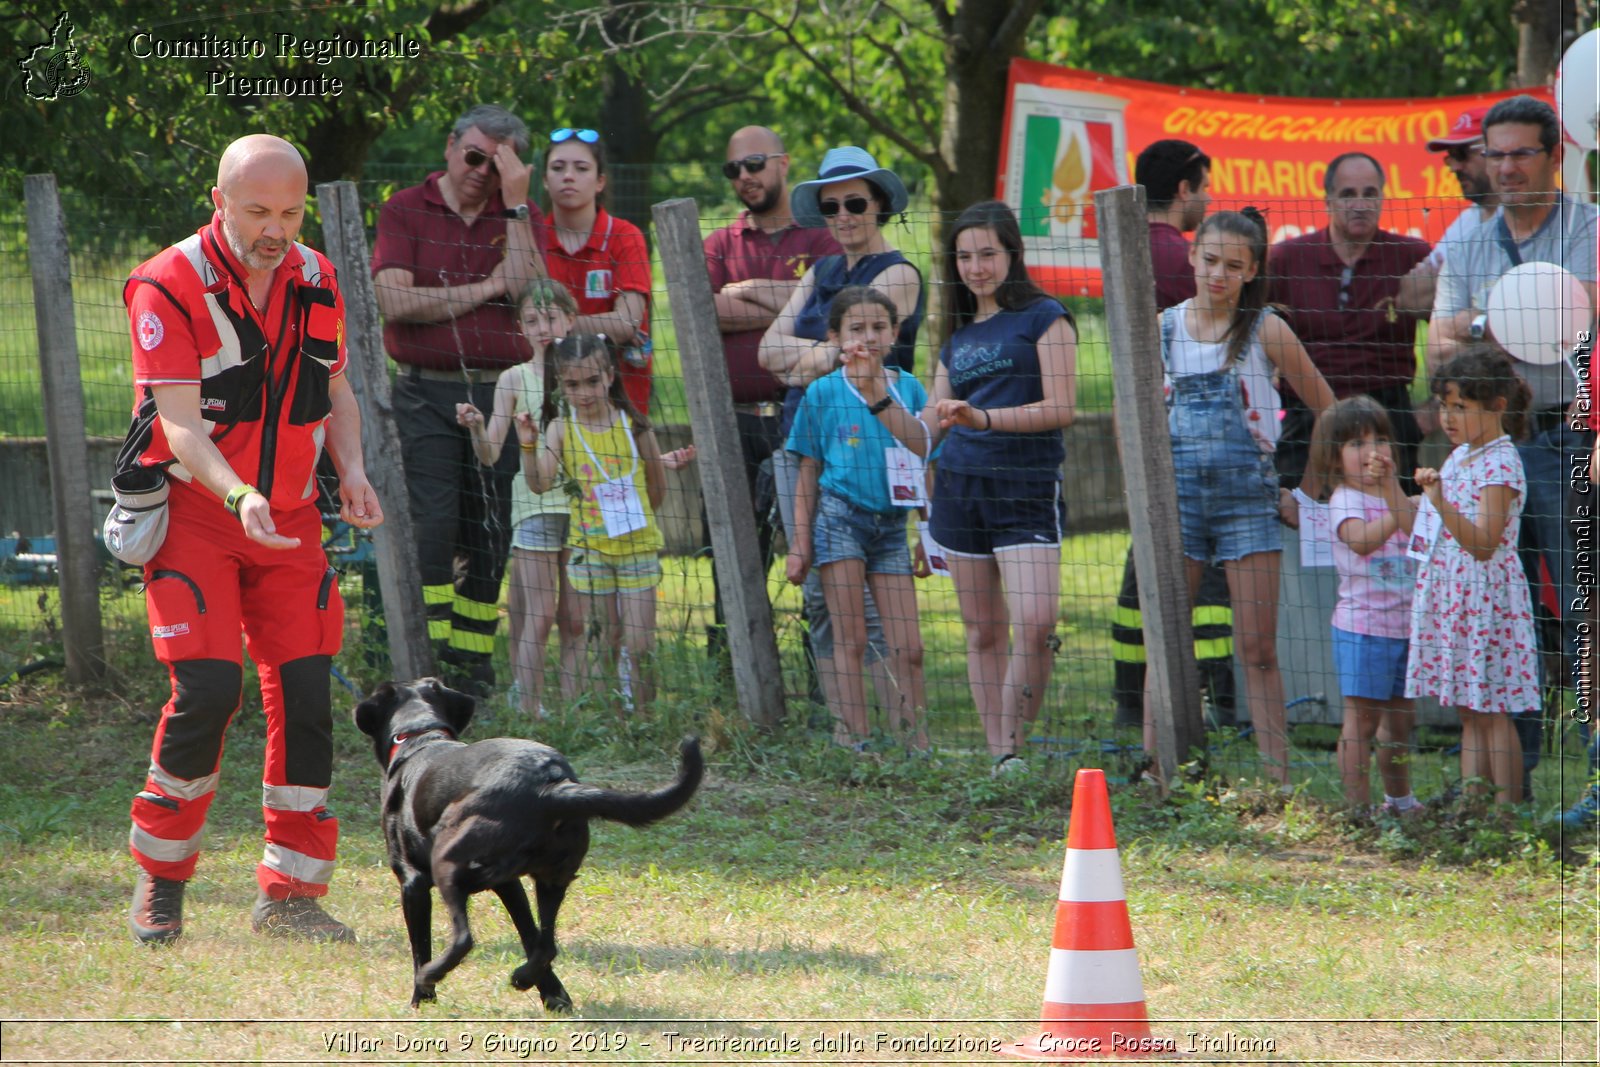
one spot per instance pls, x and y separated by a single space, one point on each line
843 531
1372 668
1227 486
979 515
596 572
542 533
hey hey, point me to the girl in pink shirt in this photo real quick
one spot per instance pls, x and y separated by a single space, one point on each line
1372 519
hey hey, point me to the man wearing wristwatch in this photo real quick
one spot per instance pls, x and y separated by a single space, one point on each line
451 257
1522 147
238 346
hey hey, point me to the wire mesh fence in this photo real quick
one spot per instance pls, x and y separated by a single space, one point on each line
625 615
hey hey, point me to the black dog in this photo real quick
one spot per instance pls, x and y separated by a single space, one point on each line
466 818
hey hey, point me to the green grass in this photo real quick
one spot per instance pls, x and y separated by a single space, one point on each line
805 892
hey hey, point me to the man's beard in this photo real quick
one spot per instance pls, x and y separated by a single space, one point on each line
768 200
248 254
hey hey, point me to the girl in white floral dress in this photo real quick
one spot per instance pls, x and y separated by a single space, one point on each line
1472 634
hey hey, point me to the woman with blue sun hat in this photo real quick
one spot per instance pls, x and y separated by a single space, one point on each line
853 198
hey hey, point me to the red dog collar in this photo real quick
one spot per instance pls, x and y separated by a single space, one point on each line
400 739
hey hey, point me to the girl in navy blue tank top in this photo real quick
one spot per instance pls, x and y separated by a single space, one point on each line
1003 391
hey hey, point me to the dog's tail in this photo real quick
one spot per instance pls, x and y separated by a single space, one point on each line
579 801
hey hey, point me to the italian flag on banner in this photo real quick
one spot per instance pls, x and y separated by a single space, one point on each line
1064 161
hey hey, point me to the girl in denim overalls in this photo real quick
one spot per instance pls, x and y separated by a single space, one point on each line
1222 353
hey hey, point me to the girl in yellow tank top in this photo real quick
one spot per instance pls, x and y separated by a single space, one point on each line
606 454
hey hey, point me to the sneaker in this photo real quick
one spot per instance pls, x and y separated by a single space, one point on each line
1390 810
1010 763
297 917
156 915
1583 814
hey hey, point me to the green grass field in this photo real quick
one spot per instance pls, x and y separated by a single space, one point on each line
806 894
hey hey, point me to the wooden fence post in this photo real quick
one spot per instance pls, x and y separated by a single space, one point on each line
757 675
77 555
1164 604
344 233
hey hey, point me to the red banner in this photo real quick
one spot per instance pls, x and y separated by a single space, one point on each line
1069 133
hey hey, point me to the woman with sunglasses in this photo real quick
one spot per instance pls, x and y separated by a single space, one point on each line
602 260
853 197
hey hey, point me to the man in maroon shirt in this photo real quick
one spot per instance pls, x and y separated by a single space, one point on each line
1353 293
755 263
1177 190
451 258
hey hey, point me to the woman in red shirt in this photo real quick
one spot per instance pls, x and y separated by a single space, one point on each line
602 260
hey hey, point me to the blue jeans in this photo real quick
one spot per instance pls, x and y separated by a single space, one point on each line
785 475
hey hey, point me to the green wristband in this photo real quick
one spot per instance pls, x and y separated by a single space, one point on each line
237 495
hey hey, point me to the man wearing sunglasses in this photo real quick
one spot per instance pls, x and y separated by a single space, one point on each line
1534 222
1353 293
451 257
1463 156
755 262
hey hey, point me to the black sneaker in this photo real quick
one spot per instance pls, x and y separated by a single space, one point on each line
301 918
156 916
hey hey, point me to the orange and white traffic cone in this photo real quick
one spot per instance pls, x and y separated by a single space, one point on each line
1093 997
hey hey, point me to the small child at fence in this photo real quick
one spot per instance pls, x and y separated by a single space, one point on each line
856 484
1371 517
604 451
1472 633
540 595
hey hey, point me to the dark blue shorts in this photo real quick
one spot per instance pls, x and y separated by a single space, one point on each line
979 515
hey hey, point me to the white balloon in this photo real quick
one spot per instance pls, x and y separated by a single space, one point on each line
1536 312
1578 90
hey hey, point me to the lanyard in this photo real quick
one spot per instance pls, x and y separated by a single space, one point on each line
633 449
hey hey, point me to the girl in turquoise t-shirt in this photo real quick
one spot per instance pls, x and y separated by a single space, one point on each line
856 484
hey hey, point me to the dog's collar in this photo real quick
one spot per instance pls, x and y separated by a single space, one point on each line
433 731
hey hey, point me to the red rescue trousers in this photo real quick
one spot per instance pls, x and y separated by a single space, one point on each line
208 585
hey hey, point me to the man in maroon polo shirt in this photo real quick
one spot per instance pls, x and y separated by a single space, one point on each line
1177 190
755 262
1353 293
451 257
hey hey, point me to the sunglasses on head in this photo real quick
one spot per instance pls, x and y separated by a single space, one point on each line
475 158
856 205
566 133
754 163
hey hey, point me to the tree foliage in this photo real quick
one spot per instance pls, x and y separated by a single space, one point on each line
919 82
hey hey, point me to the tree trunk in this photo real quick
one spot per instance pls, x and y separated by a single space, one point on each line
631 142
1544 29
337 146
980 42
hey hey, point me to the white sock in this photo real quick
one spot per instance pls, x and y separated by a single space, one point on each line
1405 803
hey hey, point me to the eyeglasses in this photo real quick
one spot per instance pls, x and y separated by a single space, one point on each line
856 205
754 163
475 158
1516 155
1462 152
566 133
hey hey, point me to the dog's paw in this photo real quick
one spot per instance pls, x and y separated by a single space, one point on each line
558 1002
522 979
420 993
